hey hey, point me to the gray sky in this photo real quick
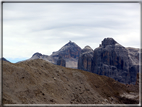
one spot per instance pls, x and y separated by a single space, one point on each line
46 27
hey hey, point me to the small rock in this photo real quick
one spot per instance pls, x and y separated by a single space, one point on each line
51 100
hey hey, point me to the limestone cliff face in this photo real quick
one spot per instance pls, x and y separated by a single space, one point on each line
113 60
85 59
61 62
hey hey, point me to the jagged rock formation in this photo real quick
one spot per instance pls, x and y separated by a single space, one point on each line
69 52
40 82
113 60
61 61
85 59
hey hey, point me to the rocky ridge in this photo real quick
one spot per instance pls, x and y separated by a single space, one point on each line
114 60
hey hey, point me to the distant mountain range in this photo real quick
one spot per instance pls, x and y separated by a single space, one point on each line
97 79
110 59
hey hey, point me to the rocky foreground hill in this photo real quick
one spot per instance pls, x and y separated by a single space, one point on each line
40 82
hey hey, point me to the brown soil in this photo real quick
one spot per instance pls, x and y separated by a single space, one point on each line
40 82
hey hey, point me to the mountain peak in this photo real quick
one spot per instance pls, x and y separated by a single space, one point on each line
87 50
70 43
69 50
37 54
87 47
108 41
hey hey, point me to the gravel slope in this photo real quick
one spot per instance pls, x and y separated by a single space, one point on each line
40 82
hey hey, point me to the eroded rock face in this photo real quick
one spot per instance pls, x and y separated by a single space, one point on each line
113 60
85 59
61 62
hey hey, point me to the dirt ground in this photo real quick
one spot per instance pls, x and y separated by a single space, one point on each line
40 82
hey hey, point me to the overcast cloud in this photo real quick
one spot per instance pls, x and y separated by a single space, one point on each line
46 27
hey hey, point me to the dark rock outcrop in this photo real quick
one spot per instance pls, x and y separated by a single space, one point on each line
113 60
61 61
85 59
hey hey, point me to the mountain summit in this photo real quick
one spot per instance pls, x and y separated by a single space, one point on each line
69 50
108 41
70 53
